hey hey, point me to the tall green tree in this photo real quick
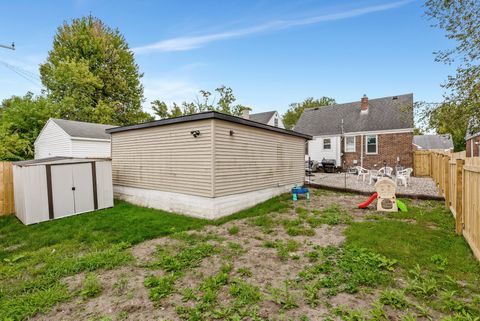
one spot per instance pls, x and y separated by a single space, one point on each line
224 102
449 118
92 75
461 22
21 120
295 110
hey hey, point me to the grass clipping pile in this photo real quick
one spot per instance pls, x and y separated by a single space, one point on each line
293 265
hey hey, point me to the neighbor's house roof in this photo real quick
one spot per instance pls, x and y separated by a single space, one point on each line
208 115
262 117
81 129
472 124
387 113
433 141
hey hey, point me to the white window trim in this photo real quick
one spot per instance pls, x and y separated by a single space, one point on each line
366 145
323 143
354 144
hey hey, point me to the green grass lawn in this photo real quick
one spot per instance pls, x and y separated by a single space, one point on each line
414 237
413 259
34 258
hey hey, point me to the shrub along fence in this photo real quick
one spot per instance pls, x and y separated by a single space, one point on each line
7 205
458 180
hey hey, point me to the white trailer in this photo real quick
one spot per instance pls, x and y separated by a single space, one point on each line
51 188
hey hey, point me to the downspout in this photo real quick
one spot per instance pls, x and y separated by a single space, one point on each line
361 150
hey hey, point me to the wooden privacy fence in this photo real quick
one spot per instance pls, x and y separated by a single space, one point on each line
458 180
7 205
421 163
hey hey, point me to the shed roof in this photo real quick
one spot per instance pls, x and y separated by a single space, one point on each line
208 115
83 129
433 141
393 112
56 160
262 117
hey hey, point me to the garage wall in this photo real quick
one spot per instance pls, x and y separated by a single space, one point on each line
90 148
165 158
52 141
254 159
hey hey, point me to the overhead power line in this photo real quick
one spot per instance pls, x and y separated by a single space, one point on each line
25 74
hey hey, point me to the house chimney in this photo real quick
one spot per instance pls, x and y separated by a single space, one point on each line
364 103
246 114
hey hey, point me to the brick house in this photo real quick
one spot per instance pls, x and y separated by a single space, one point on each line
366 132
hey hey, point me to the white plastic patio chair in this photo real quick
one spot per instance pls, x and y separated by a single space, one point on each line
361 172
403 176
385 171
381 172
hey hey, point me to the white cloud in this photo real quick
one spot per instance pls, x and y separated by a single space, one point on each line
191 42
169 90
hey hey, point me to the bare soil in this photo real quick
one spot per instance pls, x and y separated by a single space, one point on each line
125 297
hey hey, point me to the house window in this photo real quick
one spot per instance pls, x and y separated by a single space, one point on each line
371 144
350 144
276 122
327 143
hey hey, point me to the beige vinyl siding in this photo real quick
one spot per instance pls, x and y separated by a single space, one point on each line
254 159
165 158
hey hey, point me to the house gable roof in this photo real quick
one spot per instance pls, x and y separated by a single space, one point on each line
433 141
387 113
83 129
473 123
262 117
208 115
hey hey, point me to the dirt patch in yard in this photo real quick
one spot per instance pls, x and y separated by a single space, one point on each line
278 266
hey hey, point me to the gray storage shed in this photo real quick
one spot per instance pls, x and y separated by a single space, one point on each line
51 188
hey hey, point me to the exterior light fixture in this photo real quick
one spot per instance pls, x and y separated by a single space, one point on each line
232 132
195 133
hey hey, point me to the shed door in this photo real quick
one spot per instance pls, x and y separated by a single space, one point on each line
62 193
83 183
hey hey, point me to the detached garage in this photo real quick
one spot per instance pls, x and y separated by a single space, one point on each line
68 138
205 165
57 187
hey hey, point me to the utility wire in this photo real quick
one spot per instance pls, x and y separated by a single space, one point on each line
25 74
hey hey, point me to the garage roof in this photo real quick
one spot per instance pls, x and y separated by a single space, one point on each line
83 129
207 115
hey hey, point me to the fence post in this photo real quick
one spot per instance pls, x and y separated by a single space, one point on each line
459 200
446 173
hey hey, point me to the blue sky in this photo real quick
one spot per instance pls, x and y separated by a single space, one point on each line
271 52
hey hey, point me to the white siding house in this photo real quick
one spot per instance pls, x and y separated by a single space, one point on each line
68 138
327 147
271 118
